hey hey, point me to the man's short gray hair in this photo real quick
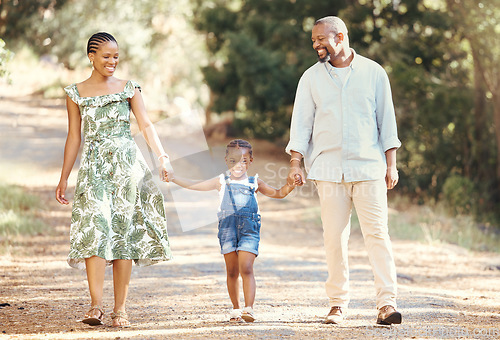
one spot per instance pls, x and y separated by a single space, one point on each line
334 23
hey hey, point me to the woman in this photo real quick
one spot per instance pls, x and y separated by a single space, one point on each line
118 213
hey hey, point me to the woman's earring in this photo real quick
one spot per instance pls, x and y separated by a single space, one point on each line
92 62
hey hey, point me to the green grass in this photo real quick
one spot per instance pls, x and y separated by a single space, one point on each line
18 212
433 225
459 230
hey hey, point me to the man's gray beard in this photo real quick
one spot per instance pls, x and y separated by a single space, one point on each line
325 59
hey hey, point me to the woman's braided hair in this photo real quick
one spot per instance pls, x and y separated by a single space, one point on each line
97 39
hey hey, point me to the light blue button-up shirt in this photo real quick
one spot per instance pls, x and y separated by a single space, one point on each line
343 128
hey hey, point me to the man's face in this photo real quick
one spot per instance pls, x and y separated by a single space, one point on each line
324 42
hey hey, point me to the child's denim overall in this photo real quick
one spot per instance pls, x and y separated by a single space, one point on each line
239 218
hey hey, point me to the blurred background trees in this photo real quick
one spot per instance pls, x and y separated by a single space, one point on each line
257 51
158 45
241 61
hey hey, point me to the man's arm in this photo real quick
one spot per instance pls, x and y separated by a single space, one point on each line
301 129
391 176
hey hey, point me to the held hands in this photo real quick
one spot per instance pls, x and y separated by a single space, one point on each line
391 177
296 177
166 170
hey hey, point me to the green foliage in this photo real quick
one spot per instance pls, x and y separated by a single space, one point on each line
459 195
5 57
422 45
15 16
258 51
157 43
430 226
430 49
442 58
18 212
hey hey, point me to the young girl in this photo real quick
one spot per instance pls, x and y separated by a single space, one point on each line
239 221
118 213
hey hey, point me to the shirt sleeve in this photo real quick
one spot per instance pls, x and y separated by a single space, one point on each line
386 117
302 117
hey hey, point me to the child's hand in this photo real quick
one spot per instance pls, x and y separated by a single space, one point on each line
298 180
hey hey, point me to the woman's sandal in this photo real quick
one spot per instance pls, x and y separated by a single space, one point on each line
94 321
122 315
235 316
247 314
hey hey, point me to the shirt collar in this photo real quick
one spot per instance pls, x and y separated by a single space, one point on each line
355 59
352 65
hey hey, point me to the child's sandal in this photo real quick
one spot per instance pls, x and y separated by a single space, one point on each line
248 315
235 316
122 315
92 320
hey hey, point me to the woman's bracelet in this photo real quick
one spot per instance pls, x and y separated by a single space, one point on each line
163 155
295 159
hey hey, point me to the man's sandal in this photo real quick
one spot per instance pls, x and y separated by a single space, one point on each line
235 316
247 314
122 315
92 320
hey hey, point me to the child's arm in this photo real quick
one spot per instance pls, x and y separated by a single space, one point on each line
269 191
210 184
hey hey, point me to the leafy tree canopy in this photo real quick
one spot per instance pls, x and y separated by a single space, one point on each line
258 50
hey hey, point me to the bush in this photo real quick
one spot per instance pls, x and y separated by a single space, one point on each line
5 57
459 195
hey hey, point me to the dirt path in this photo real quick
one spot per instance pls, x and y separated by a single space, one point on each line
444 291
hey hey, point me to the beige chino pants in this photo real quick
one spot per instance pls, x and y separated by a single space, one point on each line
370 201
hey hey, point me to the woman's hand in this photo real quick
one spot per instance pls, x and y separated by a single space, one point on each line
60 192
166 170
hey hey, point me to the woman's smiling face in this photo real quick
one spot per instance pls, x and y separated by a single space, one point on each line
106 58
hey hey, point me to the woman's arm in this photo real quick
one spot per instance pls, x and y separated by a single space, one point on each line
148 131
273 192
211 184
71 148
145 125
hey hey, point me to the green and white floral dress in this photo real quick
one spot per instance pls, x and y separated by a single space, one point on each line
118 211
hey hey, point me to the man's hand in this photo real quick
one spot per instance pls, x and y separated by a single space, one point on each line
391 177
296 176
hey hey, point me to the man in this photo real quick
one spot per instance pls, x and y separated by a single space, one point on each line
344 125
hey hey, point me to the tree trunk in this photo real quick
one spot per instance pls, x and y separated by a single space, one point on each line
480 153
208 109
496 103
